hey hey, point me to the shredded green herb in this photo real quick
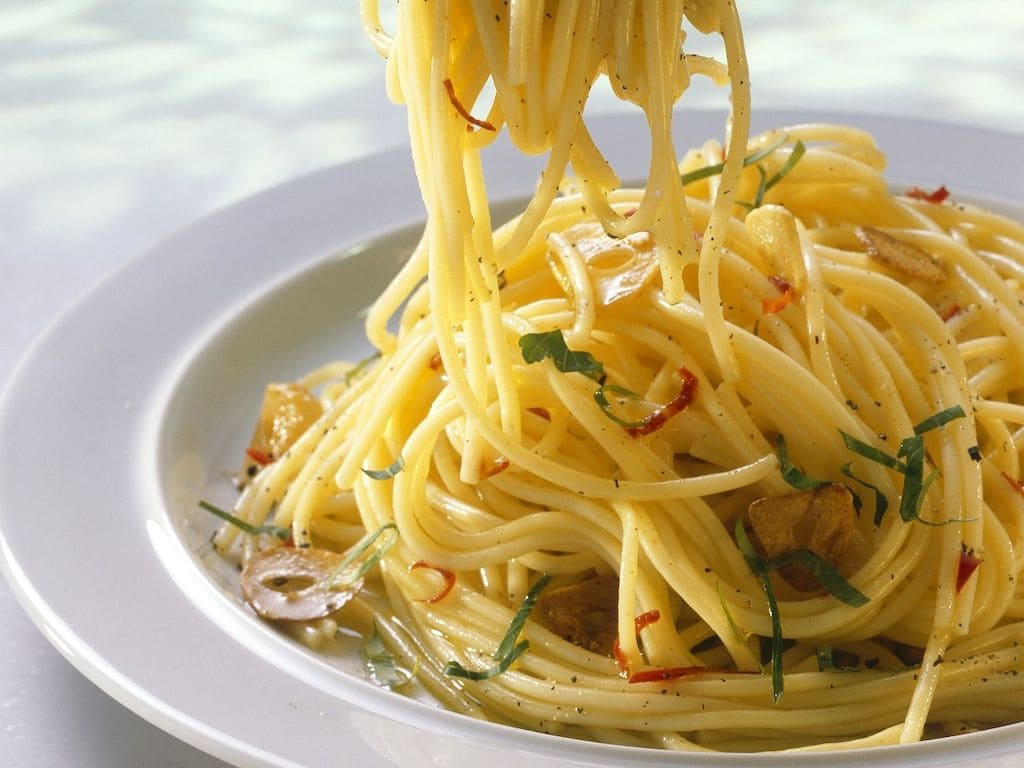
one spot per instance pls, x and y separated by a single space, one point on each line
358 368
602 401
908 461
717 168
381 664
790 472
830 659
825 661
737 633
914 482
871 453
881 503
794 157
386 474
830 578
254 530
757 566
508 650
551 344
940 419
343 575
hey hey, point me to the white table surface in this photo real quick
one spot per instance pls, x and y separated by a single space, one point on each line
123 120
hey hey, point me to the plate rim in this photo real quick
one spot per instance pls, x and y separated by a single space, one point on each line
30 592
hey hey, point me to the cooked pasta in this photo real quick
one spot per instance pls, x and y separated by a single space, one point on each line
730 462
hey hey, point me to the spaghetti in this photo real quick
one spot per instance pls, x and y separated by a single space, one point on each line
729 462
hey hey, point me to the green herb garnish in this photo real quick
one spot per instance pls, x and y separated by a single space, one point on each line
940 419
717 168
881 503
381 664
737 633
386 474
341 576
908 461
358 368
915 484
790 472
455 669
758 567
794 157
254 530
551 344
508 650
833 659
604 405
871 453
830 578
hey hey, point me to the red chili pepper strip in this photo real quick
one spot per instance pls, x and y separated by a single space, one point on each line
462 110
967 565
667 673
935 196
449 581
542 412
498 465
1017 485
641 622
620 657
657 419
258 456
950 313
771 306
645 620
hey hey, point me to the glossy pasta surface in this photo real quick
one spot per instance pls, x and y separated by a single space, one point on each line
730 462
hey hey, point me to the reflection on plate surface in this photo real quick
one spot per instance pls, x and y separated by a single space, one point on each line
158 373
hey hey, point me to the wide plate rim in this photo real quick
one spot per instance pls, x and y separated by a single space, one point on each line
21 564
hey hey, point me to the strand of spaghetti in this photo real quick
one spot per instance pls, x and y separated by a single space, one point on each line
398 290
369 11
394 384
739 129
286 475
556 73
500 470
627 571
491 309
561 133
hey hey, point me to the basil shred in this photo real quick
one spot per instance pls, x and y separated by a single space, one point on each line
790 472
757 565
254 530
602 402
343 576
381 664
717 168
359 367
909 461
386 474
833 659
551 344
766 182
508 650
830 579
881 503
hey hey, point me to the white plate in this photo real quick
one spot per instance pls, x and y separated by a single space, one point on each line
130 405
